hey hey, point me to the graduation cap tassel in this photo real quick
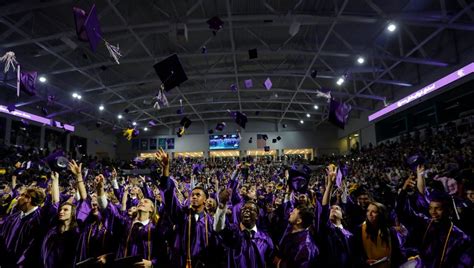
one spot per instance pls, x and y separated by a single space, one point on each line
10 61
114 51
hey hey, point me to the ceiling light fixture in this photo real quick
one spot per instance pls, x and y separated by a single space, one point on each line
42 79
308 115
146 129
101 107
134 123
360 60
340 81
301 121
316 107
119 116
391 27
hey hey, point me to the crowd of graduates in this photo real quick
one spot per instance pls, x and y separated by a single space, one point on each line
404 203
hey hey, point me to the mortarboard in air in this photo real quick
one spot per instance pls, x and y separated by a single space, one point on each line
339 113
56 161
126 111
248 83
250 140
239 118
215 24
274 141
278 138
415 160
204 50
220 126
266 148
265 137
88 26
298 178
98 124
185 122
314 73
268 83
210 131
171 72
151 123
284 125
253 53
233 88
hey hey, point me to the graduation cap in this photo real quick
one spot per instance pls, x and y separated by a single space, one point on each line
274 141
98 124
268 83
56 161
314 73
215 24
185 122
151 123
298 179
171 72
253 54
284 125
278 138
265 137
248 83
233 88
240 118
339 113
204 50
415 160
250 140
220 126
266 148
126 111
210 131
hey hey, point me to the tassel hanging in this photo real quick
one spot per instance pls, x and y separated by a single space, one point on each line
10 61
114 51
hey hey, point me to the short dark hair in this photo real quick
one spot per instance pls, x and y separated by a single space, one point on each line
306 215
253 203
203 190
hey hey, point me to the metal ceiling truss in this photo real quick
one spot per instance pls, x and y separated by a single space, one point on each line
288 61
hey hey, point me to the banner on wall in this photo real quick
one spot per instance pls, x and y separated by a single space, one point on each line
144 144
170 143
162 144
152 144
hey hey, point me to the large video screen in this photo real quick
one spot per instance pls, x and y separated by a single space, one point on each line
224 142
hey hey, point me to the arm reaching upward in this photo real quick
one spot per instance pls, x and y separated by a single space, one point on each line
77 171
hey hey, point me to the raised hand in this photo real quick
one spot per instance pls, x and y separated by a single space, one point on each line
162 157
409 183
331 172
100 180
75 168
54 176
420 169
113 174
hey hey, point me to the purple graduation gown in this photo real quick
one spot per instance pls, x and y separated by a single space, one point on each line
334 243
246 249
58 249
203 241
297 250
431 238
138 240
96 237
20 238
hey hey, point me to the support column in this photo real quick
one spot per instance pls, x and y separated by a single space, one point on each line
42 136
8 131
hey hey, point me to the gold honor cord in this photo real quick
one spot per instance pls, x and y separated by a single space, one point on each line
445 242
